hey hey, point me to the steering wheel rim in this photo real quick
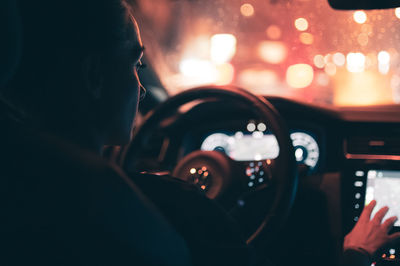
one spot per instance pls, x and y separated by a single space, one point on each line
285 163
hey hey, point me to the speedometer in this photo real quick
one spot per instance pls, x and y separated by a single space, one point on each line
306 149
217 142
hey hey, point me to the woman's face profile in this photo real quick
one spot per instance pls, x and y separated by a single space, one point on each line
122 85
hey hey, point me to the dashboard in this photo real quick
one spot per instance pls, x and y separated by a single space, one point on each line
256 144
353 156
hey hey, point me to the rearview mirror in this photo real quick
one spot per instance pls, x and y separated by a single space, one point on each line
363 4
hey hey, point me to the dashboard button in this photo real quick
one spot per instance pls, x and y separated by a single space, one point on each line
360 173
358 183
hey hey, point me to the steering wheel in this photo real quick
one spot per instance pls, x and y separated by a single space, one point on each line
222 178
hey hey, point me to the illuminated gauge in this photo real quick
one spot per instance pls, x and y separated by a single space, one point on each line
217 142
306 149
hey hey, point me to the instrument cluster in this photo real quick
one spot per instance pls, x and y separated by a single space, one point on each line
257 143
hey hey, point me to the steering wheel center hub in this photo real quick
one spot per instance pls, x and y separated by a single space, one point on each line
210 171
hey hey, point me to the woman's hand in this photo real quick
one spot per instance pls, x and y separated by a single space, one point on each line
371 234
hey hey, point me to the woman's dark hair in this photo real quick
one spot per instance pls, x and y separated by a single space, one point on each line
57 36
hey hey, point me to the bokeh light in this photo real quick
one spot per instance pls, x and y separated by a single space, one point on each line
367 29
384 69
251 127
202 72
247 10
339 59
198 71
299 76
359 89
301 24
363 39
360 17
319 61
328 58
306 38
223 48
192 67
274 32
355 62
272 52
383 57
384 62
261 127
330 69
397 12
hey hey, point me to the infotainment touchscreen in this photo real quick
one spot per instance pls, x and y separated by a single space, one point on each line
384 187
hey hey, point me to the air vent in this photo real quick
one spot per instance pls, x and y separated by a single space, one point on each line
373 145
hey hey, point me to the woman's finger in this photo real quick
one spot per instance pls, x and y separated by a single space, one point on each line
380 214
388 223
366 213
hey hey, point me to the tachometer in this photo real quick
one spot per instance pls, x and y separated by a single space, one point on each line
306 149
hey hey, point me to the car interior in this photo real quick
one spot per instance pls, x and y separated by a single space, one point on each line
340 111
286 113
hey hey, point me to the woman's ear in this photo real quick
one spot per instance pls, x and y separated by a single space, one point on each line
93 75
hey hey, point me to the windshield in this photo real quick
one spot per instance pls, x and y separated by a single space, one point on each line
299 49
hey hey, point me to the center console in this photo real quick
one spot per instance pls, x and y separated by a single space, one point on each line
365 180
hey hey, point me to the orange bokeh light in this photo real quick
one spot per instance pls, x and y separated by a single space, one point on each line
274 32
247 10
358 89
306 38
299 76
